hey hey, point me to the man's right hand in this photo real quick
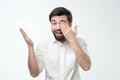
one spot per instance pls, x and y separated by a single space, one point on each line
26 38
32 63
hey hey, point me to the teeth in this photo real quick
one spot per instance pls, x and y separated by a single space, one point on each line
59 32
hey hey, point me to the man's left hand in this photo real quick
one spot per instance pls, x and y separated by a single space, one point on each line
69 34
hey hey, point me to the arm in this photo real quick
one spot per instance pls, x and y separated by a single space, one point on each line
32 63
82 58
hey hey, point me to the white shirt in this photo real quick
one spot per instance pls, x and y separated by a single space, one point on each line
58 59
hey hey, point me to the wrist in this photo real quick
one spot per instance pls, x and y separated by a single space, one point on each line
30 46
73 41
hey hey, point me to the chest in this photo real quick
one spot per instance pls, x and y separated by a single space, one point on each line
59 55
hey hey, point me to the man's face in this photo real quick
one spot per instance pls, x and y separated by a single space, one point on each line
55 26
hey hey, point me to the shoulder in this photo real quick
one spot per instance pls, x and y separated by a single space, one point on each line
45 41
81 40
83 44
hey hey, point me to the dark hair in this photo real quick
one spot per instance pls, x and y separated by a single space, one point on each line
59 11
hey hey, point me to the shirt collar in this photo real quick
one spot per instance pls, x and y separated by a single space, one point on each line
53 39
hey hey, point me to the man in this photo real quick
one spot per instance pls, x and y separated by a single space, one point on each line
62 55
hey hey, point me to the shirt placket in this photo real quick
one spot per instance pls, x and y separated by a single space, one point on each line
62 61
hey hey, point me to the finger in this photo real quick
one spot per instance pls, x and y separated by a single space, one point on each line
75 30
64 27
23 33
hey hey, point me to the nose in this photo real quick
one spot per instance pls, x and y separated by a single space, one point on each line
58 26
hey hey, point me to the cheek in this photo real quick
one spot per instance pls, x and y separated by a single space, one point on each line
52 28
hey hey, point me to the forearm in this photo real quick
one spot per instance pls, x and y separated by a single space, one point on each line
82 58
32 63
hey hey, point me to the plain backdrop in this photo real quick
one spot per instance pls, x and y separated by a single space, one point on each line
98 23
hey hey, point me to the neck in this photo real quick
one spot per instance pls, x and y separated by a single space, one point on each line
62 40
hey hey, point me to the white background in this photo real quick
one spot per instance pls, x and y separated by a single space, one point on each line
98 23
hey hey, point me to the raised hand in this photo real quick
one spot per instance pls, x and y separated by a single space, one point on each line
26 38
69 34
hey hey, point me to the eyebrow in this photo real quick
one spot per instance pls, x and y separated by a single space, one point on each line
53 21
63 21
60 21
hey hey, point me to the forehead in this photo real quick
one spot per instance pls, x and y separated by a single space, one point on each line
59 18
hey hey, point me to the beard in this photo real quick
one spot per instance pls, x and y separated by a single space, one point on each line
59 38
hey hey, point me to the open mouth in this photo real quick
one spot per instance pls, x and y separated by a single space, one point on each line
58 33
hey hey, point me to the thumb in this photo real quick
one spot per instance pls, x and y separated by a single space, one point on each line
75 30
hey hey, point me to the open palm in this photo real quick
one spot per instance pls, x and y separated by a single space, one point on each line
26 38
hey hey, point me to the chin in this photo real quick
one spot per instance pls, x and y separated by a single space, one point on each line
59 38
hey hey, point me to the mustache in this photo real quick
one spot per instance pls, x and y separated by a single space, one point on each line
58 31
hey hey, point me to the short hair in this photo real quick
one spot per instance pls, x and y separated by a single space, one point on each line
59 11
